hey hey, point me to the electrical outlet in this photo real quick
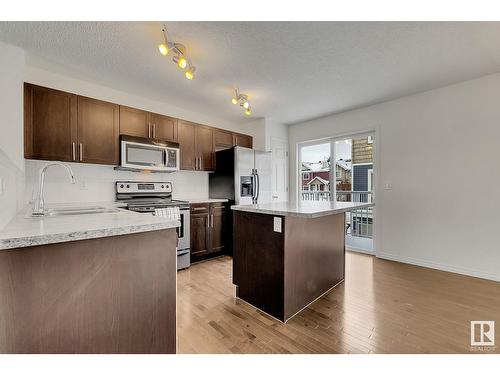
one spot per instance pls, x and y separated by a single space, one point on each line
388 186
277 224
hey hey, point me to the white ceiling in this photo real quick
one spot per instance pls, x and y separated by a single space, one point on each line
292 71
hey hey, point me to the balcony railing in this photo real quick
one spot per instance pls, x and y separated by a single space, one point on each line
359 223
342 195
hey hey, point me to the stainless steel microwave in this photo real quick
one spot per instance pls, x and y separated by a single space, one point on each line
149 154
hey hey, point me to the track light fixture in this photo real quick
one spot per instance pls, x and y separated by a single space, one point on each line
242 100
180 57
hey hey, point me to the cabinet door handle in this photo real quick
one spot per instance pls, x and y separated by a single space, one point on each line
81 151
154 130
73 150
149 130
212 220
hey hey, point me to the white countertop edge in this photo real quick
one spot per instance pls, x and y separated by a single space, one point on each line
46 239
311 215
207 200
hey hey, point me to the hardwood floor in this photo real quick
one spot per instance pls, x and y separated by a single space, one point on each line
382 307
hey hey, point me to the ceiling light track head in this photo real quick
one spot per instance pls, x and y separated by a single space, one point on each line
181 57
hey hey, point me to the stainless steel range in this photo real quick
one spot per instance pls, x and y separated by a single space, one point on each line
155 198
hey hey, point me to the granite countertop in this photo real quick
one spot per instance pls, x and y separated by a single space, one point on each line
24 231
306 209
208 200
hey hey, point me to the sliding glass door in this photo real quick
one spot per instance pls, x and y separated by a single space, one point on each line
341 169
315 172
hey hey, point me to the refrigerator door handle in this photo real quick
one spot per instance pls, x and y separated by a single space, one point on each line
254 187
258 187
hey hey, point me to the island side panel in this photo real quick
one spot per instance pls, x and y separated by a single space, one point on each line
106 295
258 263
314 258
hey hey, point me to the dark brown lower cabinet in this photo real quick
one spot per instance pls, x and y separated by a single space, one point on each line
209 230
104 295
200 226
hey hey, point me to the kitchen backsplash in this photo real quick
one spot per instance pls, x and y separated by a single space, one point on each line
95 183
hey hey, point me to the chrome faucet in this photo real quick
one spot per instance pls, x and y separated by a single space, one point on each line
39 205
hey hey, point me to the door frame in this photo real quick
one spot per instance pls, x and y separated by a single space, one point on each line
287 163
374 131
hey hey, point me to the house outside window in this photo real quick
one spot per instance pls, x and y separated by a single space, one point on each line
305 176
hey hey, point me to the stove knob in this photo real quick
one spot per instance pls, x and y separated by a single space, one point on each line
162 186
121 186
128 186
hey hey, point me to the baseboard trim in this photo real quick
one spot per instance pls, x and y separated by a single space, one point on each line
441 267
357 250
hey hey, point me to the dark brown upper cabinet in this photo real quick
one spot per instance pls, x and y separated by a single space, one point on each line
98 131
205 149
197 146
62 126
243 140
138 123
50 118
134 122
223 139
187 144
164 127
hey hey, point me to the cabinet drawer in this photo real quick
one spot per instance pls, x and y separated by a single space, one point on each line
218 208
199 208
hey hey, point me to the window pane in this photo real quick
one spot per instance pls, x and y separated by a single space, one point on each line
315 172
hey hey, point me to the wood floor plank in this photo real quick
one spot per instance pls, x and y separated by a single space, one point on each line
381 307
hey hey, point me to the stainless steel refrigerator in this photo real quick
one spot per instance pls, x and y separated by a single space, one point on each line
242 175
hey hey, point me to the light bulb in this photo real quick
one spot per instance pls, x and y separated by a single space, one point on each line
234 100
190 73
246 105
248 112
163 49
182 62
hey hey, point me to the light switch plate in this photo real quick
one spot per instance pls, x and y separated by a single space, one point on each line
277 224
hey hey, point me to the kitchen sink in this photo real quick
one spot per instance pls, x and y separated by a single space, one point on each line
79 211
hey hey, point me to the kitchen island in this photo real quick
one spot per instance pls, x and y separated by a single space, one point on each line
88 283
286 254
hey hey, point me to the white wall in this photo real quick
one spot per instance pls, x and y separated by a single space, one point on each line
11 131
440 152
275 130
95 183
